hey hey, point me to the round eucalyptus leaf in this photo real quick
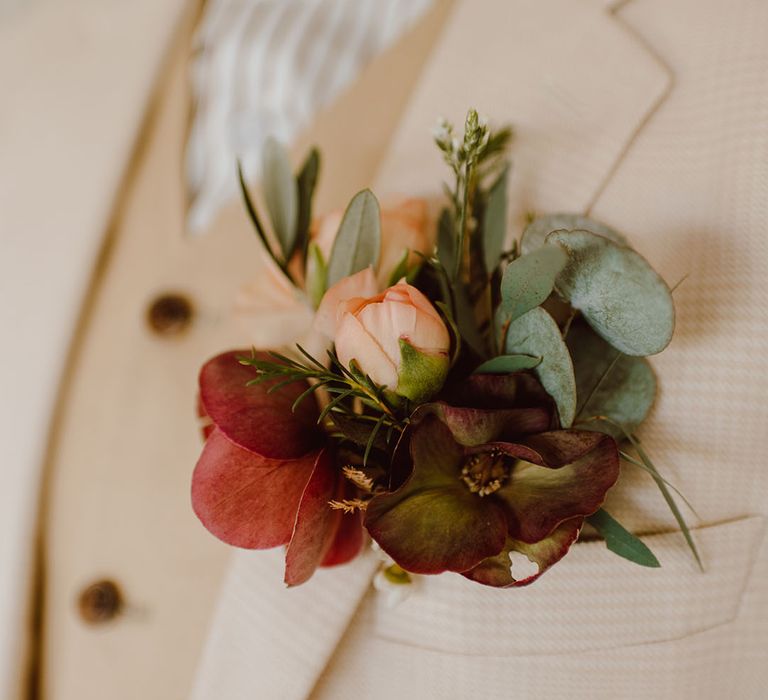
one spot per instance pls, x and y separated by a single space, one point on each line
609 383
537 231
617 291
536 334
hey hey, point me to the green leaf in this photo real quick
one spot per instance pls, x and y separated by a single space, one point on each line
306 181
507 364
466 321
620 541
609 383
254 216
536 333
358 241
280 194
537 231
617 291
316 275
495 222
400 270
446 240
529 280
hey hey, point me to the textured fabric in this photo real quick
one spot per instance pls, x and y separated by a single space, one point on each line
653 119
75 78
264 68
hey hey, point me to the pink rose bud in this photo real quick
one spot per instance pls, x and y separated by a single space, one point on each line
397 338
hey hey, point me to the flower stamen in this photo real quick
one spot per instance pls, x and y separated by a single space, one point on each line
486 473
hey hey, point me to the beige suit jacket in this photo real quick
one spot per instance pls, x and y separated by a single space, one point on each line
651 116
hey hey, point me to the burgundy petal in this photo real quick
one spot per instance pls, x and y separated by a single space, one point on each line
252 417
564 474
348 540
245 499
477 426
316 523
499 571
433 523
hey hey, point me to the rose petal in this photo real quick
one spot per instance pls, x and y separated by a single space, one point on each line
433 523
498 571
565 474
244 499
252 417
316 523
361 285
354 343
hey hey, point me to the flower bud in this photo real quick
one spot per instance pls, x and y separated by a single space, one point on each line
397 338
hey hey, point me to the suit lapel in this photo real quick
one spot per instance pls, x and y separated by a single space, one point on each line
577 87
574 82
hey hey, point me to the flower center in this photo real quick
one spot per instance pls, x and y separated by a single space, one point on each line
486 473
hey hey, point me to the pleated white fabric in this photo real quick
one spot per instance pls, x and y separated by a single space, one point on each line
264 68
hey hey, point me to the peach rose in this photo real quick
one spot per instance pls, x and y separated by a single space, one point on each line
396 337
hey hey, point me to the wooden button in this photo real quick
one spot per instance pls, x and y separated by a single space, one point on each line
100 602
170 314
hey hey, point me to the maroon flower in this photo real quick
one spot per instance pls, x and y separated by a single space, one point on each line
267 473
490 478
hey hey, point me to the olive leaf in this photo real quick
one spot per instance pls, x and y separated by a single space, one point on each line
506 364
446 240
537 231
495 222
306 181
620 541
617 292
358 241
280 194
316 274
609 383
536 333
529 280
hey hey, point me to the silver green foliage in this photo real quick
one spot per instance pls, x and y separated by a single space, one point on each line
507 364
495 222
281 195
529 280
617 292
358 241
620 541
537 231
536 333
609 383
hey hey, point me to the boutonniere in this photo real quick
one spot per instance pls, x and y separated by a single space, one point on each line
464 402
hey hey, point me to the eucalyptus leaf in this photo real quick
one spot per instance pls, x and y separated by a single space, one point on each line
536 333
506 364
446 240
609 383
495 222
529 280
280 194
358 241
537 231
620 541
617 291
306 181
